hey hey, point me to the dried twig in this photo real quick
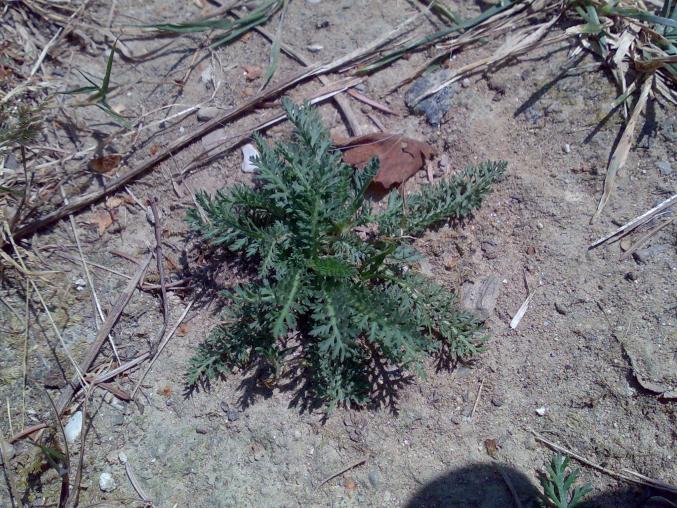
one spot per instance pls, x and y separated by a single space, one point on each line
477 399
73 500
345 469
160 259
101 336
65 478
27 432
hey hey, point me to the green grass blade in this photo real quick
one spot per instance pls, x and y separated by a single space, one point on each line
640 15
275 50
109 67
424 41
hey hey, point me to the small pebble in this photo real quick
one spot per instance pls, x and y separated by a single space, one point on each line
539 225
201 429
73 427
531 443
206 114
631 276
249 152
106 482
80 282
465 83
664 168
122 457
567 148
233 415
313 2
498 400
322 24
314 48
374 478
540 411
560 308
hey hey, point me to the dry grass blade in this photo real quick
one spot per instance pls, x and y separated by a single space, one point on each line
528 39
620 154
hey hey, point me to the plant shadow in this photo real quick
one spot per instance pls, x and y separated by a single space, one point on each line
489 485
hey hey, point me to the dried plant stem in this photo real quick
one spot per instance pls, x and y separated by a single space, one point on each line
105 329
160 259
25 355
98 312
344 470
9 479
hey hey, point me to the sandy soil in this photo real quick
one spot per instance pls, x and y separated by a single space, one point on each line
594 324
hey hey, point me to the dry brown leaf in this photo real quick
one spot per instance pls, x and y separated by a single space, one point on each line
105 163
115 201
252 72
183 330
491 447
102 219
350 484
400 157
165 391
154 149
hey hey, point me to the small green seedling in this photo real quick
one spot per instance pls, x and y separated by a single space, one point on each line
558 484
99 93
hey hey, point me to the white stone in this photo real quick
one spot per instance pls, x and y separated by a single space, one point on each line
248 153
106 482
73 427
540 411
314 48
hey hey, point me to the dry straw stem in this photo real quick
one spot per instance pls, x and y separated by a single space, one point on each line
635 478
645 238
332 90
525 40
636 222
71 388
620 154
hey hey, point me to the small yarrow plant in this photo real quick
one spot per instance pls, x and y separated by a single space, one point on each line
558 482
333 277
